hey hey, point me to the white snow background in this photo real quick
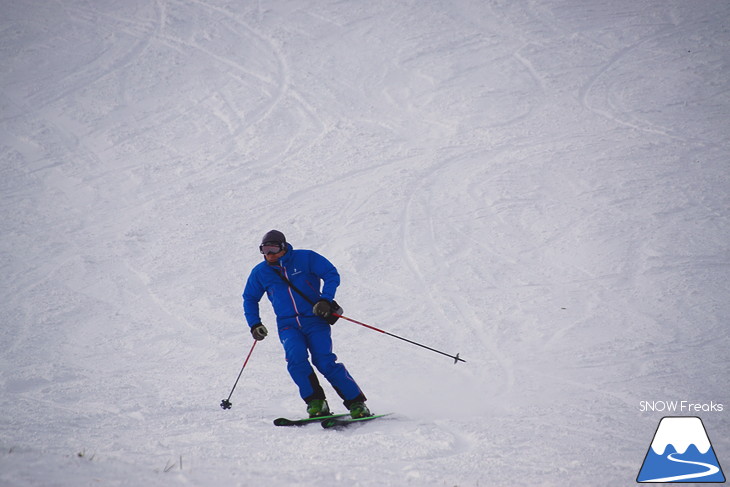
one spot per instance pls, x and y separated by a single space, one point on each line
541 186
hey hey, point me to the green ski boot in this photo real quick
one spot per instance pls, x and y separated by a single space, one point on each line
317 408
359 410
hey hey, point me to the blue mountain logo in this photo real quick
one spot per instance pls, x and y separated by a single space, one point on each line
681 452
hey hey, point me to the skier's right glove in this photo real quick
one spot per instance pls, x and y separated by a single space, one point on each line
259 332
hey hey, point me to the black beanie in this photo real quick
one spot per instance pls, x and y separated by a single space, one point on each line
274 236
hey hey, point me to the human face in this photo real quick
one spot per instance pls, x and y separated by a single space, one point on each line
274 258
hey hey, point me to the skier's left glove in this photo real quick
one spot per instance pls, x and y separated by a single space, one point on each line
327 310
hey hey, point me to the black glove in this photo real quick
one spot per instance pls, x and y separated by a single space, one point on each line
324 309
259 332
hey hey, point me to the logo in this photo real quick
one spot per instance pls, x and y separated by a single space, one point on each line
680 452
680 407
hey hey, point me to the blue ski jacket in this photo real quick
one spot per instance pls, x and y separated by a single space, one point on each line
311 273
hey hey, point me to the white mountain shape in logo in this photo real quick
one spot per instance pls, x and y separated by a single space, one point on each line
681 432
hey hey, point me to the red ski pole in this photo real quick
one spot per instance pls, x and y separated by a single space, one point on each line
226 403
455 357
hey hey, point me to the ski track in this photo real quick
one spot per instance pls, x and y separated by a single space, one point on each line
711 470
503 181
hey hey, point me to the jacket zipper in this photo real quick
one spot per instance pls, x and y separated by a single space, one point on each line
293 301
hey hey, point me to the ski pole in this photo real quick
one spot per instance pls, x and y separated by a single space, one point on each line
226 403
455 357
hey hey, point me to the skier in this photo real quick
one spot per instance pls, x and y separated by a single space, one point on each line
291 279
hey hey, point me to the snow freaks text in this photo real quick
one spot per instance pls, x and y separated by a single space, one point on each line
681 407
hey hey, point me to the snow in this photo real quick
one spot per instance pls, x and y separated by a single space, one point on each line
540 186
680 432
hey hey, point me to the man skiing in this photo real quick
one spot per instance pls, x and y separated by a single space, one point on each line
292 280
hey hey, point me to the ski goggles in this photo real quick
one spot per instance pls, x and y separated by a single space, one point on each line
271 248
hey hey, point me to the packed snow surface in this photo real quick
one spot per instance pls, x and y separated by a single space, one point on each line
540 186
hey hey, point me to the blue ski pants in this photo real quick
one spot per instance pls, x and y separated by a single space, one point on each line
303 336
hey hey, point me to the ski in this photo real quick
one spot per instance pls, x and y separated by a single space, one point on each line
343 422
304 421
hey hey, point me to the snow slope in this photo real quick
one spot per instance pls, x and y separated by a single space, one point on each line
541 186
